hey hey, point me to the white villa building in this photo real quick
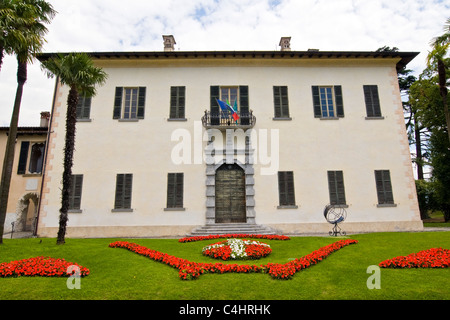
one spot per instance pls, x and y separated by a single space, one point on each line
156 156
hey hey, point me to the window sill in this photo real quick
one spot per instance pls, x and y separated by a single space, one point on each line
84 120
329 118
340 205
375 118
27 175
177 119
174 209
121 210
75 211
386 205
128 120
288 207
281 118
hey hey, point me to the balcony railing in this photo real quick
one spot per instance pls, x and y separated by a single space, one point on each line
224 119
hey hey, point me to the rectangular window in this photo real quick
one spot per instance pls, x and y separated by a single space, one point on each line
83 107
372 101
336 187
177 102
328 102
230 95
31 160
124 184
286 190
129 103
175 190
281 101
384 187
75 192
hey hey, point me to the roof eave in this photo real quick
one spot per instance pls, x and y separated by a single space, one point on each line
405 57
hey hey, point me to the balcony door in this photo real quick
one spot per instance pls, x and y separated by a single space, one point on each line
235 96
230 194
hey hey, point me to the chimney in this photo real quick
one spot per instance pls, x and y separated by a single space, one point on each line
45 118
169 43
285 43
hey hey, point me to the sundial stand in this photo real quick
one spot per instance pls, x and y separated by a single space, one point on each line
336 230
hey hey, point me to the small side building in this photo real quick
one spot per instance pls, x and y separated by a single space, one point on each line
24 192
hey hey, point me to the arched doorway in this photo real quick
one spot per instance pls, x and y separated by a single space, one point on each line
230 199
26 212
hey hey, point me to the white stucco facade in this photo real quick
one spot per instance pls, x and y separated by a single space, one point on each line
306 145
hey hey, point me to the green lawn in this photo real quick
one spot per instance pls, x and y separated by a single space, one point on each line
117 273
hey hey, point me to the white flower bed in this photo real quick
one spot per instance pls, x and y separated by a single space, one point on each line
237 247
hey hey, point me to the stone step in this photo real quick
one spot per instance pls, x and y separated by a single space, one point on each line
231 228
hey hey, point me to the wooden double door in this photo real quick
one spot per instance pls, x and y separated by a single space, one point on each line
230 194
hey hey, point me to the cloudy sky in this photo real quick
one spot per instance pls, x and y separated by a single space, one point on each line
138 25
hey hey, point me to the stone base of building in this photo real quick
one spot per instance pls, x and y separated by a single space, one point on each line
119 232
348 227
181 231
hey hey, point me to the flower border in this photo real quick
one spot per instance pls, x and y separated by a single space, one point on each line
40 266
431 258
234 235
189 270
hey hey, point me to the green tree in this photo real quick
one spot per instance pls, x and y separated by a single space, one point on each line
426 100
22 33
437 61
77 71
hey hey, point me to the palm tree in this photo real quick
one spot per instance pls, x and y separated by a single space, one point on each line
23 31
22 25
77 71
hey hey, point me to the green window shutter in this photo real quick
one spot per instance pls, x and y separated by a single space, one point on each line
181 102
372 101
277 102
23 157
86 114
127 191
286 190
316 101
339 101
281 102
384 187
336 187
118 103
243 98
244 105
75 192
177 102
123 191
141 103
175 183
214 107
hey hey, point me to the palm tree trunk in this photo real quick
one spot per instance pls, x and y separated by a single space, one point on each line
1 57
418 143
71 120
10 146
443 92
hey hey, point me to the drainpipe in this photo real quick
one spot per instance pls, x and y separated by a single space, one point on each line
45 156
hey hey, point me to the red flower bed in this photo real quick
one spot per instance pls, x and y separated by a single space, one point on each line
192 270
39 266
431 258
234 235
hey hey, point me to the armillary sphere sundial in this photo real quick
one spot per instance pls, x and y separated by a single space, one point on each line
335 214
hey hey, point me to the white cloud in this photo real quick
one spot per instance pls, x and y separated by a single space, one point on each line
137 25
